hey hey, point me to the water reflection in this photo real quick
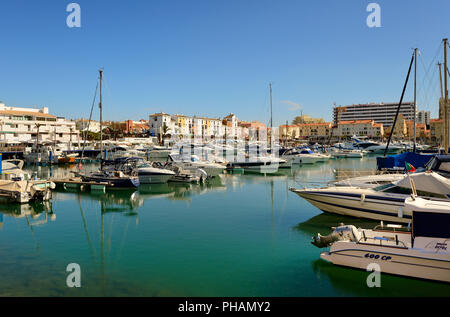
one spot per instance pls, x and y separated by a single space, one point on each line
39 213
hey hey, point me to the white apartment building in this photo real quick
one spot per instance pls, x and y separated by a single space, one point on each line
157 122
231 128
22 125
84 124
181 125
208 127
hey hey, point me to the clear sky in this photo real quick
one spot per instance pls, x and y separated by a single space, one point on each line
213 57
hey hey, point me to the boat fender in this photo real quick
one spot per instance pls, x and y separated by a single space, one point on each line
363 198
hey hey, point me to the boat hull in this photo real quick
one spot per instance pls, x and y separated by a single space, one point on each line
154 178
358 205
398 261
114 182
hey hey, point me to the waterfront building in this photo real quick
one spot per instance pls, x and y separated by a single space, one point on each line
437 131
400 129
423 117
184 125
319 130
161 124
252 130
208 127
31 125
84 124
304 118
230 124
378 112
367 128
421 130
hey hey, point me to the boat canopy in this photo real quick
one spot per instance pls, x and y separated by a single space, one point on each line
440 164
430 182
398 161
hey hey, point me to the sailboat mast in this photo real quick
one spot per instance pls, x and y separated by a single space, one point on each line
415 105
445 98
440 80
101 123
270 85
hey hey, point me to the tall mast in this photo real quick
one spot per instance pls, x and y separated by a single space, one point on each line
415 105
271 123
445 98
440 80
270 85
101 123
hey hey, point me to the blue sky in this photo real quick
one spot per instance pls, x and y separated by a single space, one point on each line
212 57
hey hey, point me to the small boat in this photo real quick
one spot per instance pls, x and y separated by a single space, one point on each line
24 191
419 251
67 159
12 170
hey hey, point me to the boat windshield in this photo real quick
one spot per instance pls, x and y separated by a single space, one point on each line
391 188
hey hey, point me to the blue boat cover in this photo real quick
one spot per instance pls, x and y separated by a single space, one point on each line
398 161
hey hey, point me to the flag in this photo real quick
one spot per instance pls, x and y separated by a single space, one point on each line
409 167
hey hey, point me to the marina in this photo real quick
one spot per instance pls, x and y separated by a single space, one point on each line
177 239
226 156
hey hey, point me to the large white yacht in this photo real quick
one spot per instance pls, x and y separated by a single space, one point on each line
384 202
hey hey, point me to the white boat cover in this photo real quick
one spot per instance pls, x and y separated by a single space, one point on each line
427 182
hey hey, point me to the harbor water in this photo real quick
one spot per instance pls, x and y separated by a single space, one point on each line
237 235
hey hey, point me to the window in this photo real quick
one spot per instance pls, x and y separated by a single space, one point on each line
433 225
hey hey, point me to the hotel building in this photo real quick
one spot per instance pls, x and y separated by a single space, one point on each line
383 113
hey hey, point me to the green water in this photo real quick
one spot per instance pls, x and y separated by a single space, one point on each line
239 235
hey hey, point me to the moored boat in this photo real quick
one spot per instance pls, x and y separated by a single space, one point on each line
420 251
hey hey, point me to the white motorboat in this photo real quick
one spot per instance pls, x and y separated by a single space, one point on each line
384 202
12 170
307 156
259 164
152 175
159 153
421 252
344 153
192 162
370 181
375 147
290 155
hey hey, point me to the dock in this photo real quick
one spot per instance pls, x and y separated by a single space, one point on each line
78 183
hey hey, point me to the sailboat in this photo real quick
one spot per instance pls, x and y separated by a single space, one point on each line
114 178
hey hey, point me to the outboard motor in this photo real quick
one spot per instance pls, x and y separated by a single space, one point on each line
341 233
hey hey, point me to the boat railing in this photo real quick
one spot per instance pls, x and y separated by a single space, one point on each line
398 243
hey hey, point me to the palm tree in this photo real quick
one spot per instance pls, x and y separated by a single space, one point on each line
165 129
